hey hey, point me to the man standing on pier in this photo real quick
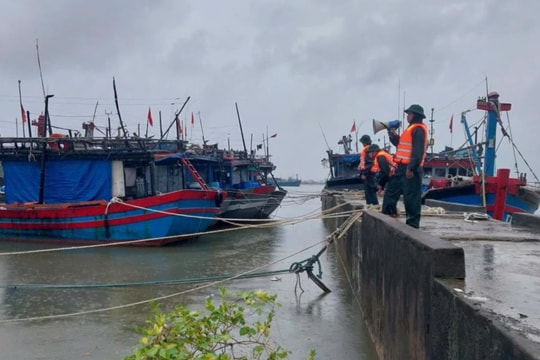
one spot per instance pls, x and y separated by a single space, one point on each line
410 156
366 162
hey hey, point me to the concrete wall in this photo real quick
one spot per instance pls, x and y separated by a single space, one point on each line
400 276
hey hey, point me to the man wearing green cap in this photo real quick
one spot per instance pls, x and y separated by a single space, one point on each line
410 156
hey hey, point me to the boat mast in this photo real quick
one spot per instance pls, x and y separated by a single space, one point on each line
44 153
472 144
431 131
493 107
241 131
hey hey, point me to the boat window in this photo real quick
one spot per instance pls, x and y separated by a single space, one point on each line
440 172
452 172
465 172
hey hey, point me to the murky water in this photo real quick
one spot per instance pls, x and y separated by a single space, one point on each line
329 323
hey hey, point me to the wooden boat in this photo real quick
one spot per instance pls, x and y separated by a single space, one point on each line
245 178
89 190
496 191
288 182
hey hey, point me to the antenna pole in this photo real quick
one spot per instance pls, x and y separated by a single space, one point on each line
40 72
202 131
118 108
241 131
431 131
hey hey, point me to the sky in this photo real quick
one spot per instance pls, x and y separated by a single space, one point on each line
304 70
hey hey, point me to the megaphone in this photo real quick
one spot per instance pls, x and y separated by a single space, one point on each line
389 125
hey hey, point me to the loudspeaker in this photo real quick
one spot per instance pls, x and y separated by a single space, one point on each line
389 125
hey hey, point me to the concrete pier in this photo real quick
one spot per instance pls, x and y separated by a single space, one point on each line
455 289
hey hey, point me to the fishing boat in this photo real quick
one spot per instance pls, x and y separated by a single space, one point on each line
290 181
85 190
343 166
244 177
500 194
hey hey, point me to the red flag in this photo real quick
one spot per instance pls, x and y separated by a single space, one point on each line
192 120
451 123
273 136
23 114
353 128
179 125
150 121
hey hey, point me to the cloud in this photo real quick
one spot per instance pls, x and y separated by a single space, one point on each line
300 69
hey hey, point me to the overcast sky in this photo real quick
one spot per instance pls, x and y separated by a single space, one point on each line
299 68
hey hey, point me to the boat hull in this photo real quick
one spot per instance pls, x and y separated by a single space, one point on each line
156 220
252 203
349 183
523 201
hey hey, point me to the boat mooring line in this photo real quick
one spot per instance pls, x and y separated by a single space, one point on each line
290 221
328 239
143 283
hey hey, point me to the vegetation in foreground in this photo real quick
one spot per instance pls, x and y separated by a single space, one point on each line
237 328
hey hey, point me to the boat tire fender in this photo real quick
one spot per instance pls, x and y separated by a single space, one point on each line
219 198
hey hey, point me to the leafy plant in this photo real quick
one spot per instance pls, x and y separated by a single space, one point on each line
237 328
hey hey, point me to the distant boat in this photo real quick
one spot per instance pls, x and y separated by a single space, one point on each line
290 181
344 174
88 191
243 177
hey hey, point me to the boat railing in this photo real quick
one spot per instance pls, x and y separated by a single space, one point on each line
65 144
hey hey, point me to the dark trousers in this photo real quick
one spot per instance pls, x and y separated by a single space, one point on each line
370 190
412 195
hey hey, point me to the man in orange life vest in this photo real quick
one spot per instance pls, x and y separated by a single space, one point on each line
410 156
370 184
383 166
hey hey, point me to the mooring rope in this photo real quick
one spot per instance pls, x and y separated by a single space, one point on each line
338 233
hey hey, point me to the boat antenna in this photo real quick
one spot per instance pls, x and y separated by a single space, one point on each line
241 131
95 109
175 120
109 130
324 137
39 66
118 108
43 154
431 131
202 130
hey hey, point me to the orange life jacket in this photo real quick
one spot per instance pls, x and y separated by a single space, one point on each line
404 148
363 155
389 158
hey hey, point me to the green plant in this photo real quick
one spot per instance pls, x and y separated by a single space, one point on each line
237 328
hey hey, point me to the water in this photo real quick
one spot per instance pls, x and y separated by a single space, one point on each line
331 324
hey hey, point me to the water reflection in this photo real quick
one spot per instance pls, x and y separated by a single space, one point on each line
300 322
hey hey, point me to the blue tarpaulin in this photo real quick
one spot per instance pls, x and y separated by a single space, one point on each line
66 181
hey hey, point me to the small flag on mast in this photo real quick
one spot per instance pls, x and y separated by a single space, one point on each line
179 125
150 121
353 128
273 136
451 126
23 114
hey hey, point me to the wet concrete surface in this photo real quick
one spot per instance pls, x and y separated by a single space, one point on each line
502 264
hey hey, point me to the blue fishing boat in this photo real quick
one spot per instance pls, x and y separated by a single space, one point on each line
89 191
244 177
500 194
343 166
